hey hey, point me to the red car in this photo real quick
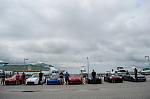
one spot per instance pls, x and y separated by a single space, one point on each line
12 80
75 80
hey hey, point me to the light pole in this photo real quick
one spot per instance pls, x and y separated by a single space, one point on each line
88 66
147 60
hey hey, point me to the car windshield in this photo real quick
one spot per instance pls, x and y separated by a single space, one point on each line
54 71
83 70
119 68
35 76
122 71
116 74
146 69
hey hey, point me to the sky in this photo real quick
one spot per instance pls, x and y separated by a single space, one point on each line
65 32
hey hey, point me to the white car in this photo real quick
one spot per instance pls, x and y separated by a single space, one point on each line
34 79
146 71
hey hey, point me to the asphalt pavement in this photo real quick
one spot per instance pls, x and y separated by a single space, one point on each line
125 90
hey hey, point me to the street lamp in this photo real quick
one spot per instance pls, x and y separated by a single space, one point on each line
147 60
25 60
88 66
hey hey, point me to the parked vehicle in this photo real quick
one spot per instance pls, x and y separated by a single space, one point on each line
121 71
54 79
12 80
34 80
131 77
145 71
98 80
53 82
73 80
110 77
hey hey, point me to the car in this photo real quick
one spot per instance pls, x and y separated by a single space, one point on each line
34 80
109 78
121 71
53 82
98 80
12 80
53 79
145 71
131 77
75 80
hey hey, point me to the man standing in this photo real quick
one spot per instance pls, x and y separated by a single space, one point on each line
67 78
40 78
61 76
3 78
23 78
94 76
113 75
135 73
17 78
81 75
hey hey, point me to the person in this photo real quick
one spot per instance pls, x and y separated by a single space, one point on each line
23 78
112 72
40 78
61 76
113 76
67 78
81 75
94 76
3 78
135 73
17 78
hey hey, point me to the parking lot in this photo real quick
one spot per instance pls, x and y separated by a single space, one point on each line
125 90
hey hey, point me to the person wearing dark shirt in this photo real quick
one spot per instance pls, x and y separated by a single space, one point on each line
135 73
61 76
67 77
23 78
40 77
94 76
3 78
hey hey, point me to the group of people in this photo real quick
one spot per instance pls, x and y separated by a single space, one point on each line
127 73
63 76
20 79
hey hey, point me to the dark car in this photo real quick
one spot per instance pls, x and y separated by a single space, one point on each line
98 80
131 77
110 77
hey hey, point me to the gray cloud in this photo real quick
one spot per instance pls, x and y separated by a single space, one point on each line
110 33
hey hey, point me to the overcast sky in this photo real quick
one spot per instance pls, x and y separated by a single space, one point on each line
65 32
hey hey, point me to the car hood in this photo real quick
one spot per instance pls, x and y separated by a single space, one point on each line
10 79
97 77
75 78
116 77
138 75
32 79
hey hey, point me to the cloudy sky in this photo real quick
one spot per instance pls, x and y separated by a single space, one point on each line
65 32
